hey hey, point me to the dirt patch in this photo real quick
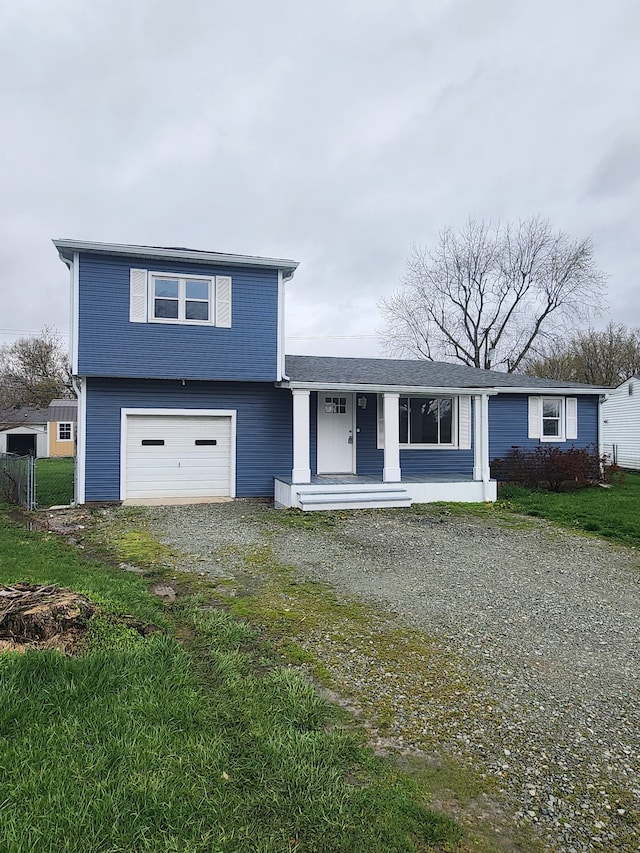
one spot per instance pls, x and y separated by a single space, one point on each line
49 617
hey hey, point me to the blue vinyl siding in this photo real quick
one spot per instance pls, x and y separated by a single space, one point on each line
110 345
509 424
264 431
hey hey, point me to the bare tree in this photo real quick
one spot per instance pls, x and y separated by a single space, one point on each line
606 357
487 296
33 371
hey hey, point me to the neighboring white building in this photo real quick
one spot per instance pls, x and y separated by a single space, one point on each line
621 424
24 431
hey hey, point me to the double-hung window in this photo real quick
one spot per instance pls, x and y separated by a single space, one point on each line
181 300
553 418
200 300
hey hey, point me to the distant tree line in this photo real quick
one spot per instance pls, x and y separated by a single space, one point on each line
34 371
605 357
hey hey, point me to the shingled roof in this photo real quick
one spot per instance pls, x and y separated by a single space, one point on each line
408 373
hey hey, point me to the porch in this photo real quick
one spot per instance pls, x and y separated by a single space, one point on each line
371 492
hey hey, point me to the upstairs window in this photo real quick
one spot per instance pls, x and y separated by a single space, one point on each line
193 300
181 300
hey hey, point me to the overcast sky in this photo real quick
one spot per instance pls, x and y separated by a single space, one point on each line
333 132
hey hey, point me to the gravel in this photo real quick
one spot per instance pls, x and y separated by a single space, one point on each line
547 621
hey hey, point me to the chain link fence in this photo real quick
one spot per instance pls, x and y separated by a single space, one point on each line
36 483
17 479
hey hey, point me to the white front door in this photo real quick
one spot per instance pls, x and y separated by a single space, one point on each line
335 433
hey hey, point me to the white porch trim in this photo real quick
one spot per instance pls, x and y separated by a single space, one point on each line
391 406
481 438
301 472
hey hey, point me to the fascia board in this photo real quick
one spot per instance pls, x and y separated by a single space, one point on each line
405 390
66 247
565 391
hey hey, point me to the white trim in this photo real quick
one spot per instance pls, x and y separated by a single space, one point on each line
301 472
464 422
561 420
58 425
391 472
80 387
280 366
442 390
222 297
167 253
402 390
534 407
477 437
484 440
221 413
75 311
571 418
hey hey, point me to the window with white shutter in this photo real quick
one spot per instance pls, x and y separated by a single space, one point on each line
193 300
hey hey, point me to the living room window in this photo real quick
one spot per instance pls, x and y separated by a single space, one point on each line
427 421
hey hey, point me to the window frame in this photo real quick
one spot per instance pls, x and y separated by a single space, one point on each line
59 425
561 419
182 280
455 423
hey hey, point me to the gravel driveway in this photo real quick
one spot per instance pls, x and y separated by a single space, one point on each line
547 620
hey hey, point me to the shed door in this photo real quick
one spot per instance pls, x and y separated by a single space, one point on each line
177 456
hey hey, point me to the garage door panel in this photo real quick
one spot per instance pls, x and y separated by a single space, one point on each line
178 456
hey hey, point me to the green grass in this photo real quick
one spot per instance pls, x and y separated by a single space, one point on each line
154 745
613 513
54 482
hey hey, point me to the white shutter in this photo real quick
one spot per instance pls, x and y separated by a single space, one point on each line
571 415
534 416
223 301
138 296
464 422
380 421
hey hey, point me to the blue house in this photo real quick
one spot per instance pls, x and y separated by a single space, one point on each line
185 394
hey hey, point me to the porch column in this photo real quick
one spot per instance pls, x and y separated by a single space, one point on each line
477 437
391 472
481 438
301 471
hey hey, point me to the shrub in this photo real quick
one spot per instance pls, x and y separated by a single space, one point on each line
550 467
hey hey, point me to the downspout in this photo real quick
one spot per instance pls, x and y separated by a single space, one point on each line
283 278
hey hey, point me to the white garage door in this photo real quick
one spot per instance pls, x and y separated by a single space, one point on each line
177 456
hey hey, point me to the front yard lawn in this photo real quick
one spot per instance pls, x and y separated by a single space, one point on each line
613 513
149 744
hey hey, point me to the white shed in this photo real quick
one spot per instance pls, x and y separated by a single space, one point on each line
621 424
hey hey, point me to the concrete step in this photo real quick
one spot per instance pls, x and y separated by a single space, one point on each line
353 498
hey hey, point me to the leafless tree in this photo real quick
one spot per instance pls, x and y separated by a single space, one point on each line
488 296
33 371
606 357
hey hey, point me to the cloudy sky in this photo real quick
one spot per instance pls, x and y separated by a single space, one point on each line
334 132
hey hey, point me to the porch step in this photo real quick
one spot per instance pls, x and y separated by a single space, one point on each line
353 497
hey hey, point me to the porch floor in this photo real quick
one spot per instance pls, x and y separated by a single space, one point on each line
366 479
